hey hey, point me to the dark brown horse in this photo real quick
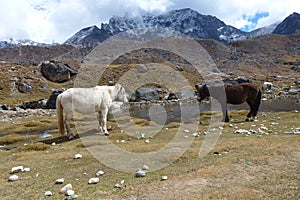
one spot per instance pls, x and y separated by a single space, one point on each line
232 94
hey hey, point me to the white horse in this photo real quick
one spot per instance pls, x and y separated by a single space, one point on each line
87 101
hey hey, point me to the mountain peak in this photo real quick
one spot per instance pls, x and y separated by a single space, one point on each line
289 25
184 21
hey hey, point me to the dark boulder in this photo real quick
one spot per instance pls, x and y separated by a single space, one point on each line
57 72
40 104
5 107
51 103
148 94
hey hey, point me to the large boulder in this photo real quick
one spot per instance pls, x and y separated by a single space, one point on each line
51 103
148 94
57 72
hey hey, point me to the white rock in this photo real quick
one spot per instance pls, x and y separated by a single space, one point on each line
60 181
93 180
140 173
53 144
17 169
48 193
70 193
145 167
117 185
186 131
77 156
99 173
147 141
122 182
26 169
13 178
163 178
196 134
66 188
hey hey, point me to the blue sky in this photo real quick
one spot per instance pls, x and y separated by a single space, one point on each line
56 20
253 20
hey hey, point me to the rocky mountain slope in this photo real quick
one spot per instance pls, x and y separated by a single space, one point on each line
185 21
288 26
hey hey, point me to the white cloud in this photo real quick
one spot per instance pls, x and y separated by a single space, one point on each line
56 20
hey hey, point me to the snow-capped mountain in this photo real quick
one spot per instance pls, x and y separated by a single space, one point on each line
264 30
12 42
185 21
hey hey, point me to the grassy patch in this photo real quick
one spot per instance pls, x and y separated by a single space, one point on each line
237 167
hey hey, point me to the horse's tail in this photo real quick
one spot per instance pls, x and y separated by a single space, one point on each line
257 101
59 113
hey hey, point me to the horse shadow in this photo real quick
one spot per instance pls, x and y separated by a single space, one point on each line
65 138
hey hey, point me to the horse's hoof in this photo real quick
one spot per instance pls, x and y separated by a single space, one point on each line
249 119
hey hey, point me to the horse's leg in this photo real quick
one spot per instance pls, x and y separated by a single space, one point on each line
104 113
100 121
251 112
68 127
225 113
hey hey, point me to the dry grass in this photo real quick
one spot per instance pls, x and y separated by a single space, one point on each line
244 168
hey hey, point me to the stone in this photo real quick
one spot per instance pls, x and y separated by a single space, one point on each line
69 193
56 71
48 193
294 91
66 188
60 181
145 167
17 169
26 169
100 173
13 178
93 180
147 94
24 87
140 173
77 156
163 178
51 103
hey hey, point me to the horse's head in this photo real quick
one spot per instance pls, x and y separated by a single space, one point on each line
202 91
121 93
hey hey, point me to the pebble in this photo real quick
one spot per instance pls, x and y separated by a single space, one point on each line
140 173
145 167
117 185
17 169
147 141
60 181
122 182
163 178
26 169
99 173
53 144
66 188
94 180
196 134
13 178
77 156
70 193
48 193
186 131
